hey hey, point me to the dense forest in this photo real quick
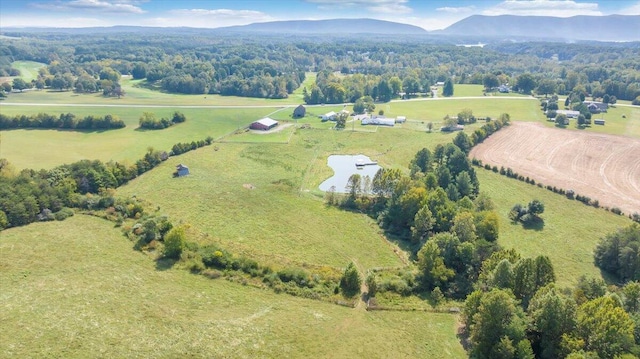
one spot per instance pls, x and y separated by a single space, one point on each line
271 67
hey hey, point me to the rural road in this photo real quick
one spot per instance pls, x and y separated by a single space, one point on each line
254 106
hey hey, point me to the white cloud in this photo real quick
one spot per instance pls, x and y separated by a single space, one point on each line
558 8
457 10
631 10
107 6
48 21
377 6
208 18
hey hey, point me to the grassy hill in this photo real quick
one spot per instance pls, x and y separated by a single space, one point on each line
76 289
571 229
284 216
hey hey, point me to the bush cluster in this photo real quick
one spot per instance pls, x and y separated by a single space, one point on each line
149 121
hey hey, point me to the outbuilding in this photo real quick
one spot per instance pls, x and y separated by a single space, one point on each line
181 170
379 121
401 119
598 121
299 111
329 116
264 124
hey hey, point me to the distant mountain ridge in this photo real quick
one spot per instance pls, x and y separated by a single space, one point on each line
332 26
597 28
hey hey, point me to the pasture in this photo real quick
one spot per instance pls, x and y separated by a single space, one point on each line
138 93
284 217
434 110
571 229
55 147
603 167
28 69
83 292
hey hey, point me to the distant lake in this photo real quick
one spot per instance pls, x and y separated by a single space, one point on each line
343 167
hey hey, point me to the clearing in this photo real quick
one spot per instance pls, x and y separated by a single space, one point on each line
600 166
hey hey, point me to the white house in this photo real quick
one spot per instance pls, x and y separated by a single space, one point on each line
401 119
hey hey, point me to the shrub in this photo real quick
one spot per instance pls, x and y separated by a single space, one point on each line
297 275
174 242
63 214
616 210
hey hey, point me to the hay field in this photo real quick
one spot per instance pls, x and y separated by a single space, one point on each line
603 167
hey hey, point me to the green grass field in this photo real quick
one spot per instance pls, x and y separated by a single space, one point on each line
520 109
76 289
136 93
55 147
28 69
571 229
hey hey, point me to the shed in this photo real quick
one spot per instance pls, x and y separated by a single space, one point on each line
598 121
264 124
380 121
329 116
181 170
401 119
299 111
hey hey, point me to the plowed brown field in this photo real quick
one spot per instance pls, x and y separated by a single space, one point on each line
603 167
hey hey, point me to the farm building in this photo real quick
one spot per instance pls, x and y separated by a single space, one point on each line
596 107
379 121
329 116
569 113
264 124
504 89
452 128
181 170
299 111
401 119
598 121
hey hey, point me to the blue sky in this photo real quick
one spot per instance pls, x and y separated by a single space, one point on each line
428 14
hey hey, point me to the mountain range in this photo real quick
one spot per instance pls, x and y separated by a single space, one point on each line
332 26
597 28
476 28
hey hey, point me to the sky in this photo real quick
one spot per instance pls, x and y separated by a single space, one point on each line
428 14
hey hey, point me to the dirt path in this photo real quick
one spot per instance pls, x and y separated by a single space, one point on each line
603 167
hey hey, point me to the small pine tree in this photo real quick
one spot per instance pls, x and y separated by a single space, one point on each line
437 296
350 282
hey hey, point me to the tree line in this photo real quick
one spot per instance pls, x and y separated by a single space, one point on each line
29 195
64 121
271 67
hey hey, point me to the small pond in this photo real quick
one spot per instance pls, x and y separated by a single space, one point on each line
344 166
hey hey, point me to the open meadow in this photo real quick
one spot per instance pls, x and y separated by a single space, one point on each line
84 290
571 229
76 289
28 69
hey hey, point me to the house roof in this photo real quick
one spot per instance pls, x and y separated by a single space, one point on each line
329 114
267 122
181 166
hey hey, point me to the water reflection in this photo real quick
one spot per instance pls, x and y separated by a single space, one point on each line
344 166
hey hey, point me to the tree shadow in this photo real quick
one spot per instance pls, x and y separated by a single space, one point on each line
536 224
402 243
163 264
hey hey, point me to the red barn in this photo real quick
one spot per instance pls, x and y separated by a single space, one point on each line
264 124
